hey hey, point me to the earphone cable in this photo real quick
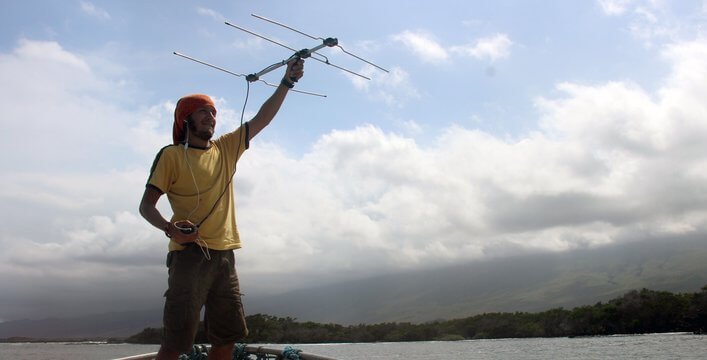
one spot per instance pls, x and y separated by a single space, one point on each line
238 150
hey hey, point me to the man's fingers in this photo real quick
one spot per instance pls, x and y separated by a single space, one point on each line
296 70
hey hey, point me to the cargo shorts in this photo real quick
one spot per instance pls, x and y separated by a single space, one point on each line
196 282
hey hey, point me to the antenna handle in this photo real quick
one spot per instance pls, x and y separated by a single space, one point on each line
302 54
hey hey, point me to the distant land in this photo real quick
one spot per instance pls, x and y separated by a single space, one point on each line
89 327
636 312
523 283
529 283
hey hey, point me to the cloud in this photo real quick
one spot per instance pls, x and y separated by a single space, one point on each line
614 7
71 196
94 11
493 48
250 44
423 45
610 162
393 88
396 88
210 13
75 101
652 22
102 258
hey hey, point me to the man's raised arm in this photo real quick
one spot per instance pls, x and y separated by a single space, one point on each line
295 70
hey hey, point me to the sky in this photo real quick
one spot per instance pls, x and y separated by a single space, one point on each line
501 128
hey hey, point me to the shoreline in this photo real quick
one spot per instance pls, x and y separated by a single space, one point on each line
92 341
103 341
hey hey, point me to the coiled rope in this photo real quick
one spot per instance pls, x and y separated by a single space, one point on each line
291 353
198 352
240 352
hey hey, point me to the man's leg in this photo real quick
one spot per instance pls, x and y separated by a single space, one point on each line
183 301
224 317
221 352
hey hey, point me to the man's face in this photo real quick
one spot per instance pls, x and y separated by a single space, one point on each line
203 122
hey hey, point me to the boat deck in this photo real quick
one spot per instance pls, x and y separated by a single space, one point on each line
259 351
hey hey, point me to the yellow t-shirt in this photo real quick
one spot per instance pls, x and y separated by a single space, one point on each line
194 178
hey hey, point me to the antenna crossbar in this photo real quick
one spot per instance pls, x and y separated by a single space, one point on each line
297 54
260 36
304 53
318 38
286 27
207 64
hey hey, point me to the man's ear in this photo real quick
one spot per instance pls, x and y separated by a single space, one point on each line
189 123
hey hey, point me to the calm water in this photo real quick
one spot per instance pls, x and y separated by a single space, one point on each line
653 346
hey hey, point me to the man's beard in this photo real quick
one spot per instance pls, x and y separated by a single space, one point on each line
204 135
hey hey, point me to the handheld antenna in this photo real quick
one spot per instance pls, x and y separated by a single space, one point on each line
241 75
298 54
304 53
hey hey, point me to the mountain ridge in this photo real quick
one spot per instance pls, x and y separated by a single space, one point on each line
528 283
522 283
90 326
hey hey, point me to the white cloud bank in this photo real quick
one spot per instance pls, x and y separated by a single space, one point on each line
424 45
92 10
492 48
611 163
395 88
614 7
651 21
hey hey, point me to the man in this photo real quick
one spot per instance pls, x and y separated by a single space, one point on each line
195 173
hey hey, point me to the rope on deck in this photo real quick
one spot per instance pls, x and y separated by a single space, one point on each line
240 352
291 353
198 352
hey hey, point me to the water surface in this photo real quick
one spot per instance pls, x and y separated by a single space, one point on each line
632 347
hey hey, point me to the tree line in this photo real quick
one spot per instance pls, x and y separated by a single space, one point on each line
636 312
